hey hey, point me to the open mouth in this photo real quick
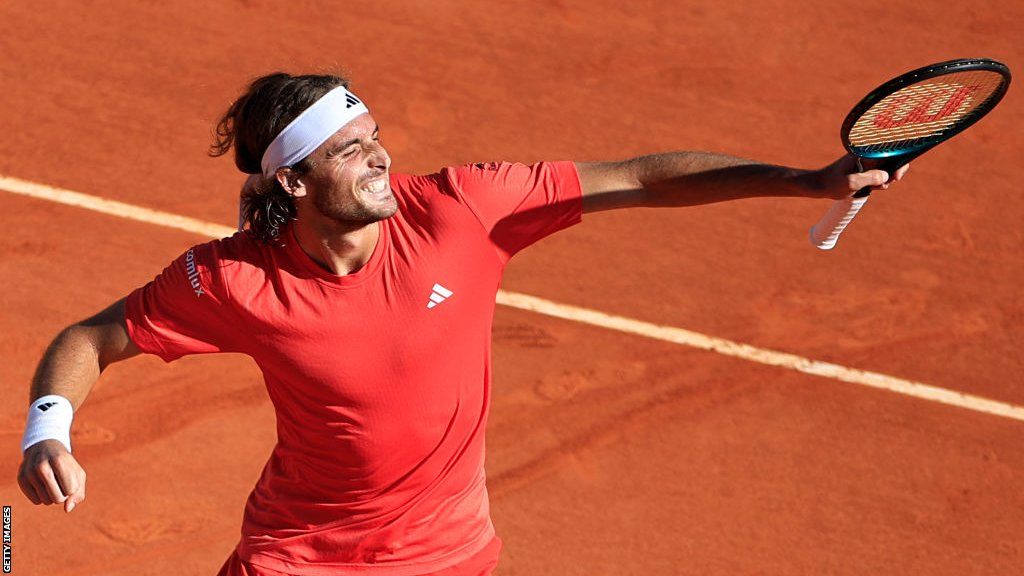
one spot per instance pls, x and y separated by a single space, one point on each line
377 188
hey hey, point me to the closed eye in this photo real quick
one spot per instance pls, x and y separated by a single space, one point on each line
342 152
351 147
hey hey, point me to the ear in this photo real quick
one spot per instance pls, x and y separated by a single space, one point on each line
291 182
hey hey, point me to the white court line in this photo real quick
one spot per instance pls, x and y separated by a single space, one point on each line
129 211
573 313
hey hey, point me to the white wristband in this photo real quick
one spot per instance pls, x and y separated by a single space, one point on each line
49 418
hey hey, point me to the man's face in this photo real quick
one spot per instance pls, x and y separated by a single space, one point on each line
349 179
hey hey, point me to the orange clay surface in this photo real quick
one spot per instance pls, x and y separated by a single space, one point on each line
608 453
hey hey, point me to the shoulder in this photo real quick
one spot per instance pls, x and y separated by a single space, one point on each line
224 254
238 247
477 172
485 191
458 178
227 264
510 175
412 186
453 179
421 196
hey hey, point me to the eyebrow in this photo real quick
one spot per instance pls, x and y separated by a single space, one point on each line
347 143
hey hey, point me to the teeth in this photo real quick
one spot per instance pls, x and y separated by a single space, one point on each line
376 186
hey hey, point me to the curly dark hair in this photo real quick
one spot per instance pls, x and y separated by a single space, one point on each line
251 124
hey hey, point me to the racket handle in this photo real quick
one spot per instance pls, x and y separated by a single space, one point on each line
825 233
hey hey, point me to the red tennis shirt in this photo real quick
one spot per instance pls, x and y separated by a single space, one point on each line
380 379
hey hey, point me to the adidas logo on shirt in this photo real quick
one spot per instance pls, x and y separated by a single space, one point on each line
438 294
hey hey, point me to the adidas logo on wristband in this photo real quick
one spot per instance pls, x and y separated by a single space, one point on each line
52 421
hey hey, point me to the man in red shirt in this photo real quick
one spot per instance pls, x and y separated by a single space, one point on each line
366 298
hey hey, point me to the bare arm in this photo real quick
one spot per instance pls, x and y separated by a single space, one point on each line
691 178
72 363
76 357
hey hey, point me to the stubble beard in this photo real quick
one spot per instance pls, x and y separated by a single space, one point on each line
356 213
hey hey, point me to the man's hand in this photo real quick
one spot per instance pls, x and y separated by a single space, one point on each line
69 368
49 474
841 178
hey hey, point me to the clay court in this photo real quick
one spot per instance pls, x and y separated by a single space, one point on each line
609 452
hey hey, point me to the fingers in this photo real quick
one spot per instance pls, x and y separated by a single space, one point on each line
71 479
49 482
30 479
74 499
26 486
65 474
874 178
52 480
845 176
40 488
877 179
900 173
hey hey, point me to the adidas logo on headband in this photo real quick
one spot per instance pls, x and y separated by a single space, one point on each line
311 128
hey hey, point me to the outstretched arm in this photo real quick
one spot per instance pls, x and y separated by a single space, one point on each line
692 178
49 474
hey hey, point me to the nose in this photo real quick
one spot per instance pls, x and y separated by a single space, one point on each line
379 158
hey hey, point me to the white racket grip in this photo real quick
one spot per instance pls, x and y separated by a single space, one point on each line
825 233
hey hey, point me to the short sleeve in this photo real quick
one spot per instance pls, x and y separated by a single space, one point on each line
184 310
520 204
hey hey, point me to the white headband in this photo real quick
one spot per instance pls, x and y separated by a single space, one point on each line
312 128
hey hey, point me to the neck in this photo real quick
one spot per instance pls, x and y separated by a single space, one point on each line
338 248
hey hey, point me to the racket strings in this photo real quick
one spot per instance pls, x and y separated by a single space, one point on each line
923 111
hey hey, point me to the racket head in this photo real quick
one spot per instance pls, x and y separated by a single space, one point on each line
915 111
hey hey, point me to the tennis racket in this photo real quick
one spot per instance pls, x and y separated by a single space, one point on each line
906 117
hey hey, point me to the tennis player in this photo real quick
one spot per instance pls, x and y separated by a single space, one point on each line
366 298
